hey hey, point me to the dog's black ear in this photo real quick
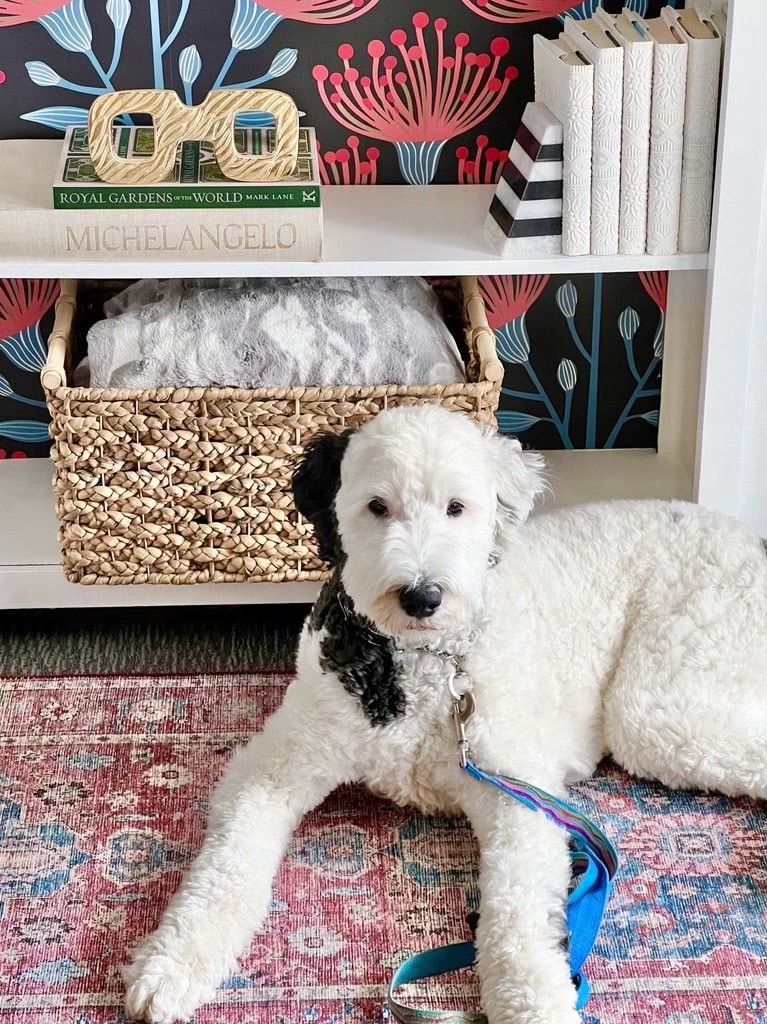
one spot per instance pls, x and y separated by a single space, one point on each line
315 485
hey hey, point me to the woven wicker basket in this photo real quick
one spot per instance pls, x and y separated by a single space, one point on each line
193 485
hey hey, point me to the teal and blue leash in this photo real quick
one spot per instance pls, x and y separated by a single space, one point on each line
594 862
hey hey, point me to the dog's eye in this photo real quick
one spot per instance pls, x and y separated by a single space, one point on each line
378 507
454 508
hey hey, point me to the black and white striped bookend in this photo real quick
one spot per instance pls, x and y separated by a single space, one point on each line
526 212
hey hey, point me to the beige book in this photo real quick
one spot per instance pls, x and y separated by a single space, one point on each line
31 229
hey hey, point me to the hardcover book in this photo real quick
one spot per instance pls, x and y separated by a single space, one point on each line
564 83
635 127
33 230
196 181
704 54
666 135
592 44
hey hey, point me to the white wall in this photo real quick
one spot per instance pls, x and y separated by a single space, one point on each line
752 504
731 456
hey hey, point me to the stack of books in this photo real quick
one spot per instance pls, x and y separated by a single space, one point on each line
195 214
638 101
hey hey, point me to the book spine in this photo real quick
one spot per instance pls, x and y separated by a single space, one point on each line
666 142
635 149
176 235
568 92
189 164
576 162
228 195
701 106
606 154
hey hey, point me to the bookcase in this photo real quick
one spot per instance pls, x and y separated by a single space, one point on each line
713 333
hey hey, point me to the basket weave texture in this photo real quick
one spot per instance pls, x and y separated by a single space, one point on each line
193 485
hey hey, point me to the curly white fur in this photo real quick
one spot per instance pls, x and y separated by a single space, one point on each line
637 628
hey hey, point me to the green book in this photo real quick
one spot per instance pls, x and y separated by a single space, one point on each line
196 182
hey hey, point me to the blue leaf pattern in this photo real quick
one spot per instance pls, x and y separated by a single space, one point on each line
251 25
59 118
515 422
70 27
41 73
25 349
31 431
512 342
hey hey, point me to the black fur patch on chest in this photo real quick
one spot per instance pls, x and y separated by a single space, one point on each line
361 658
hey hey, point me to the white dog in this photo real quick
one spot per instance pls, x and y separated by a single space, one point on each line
637 628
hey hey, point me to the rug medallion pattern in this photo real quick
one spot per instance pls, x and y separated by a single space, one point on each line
103 789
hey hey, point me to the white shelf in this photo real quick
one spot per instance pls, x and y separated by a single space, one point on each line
575 477
30 575
386 230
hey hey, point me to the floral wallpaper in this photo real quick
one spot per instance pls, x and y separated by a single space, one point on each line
400 91
25 320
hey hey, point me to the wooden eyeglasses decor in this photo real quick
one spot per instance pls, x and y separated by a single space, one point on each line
211 121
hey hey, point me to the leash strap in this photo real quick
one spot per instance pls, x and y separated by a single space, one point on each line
594 863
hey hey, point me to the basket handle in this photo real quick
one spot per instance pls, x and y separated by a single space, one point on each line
53 375
480 334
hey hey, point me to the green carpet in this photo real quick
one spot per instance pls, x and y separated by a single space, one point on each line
241 638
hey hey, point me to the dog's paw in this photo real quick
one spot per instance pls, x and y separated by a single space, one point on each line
529 1009
162 987
529 991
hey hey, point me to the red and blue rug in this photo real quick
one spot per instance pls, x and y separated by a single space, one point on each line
103 789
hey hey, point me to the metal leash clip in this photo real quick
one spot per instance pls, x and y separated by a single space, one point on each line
463 709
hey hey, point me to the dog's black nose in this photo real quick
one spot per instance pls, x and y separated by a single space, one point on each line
422 601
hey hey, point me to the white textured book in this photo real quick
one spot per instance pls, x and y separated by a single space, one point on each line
32 228
564 82
635 127
669 78
591 43
704 57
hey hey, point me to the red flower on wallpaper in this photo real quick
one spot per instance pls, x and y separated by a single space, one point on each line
655 283
483 167
23 302
17 12
508 297
327 12
344 166
518 10
418 97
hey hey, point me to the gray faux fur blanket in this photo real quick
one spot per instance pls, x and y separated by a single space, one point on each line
270 333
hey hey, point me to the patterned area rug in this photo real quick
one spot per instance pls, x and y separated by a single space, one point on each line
103 788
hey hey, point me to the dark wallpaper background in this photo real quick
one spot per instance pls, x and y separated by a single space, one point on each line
55 56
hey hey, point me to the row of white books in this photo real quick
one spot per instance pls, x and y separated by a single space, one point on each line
638 101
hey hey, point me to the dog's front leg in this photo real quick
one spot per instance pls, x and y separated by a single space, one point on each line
524 875
268 786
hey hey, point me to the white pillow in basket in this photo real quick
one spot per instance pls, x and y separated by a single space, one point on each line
272 333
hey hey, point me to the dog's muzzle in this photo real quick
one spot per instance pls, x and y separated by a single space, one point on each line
420 602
